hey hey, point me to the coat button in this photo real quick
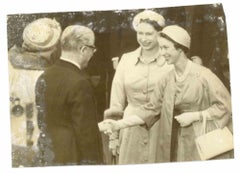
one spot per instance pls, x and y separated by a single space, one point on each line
145 141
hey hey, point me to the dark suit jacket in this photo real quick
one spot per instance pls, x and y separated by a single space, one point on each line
68 115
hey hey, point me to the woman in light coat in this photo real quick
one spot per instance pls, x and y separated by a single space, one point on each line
183 97
132 86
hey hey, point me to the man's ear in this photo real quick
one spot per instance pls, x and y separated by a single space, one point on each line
82 49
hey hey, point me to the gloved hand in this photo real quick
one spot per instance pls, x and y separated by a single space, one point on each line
187 118
108 126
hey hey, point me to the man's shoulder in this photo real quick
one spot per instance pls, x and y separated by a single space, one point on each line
62 73
63 68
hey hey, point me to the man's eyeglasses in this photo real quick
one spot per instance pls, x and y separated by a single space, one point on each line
92 47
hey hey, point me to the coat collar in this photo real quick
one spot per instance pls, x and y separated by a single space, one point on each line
137 58
23 59
69 65
72 62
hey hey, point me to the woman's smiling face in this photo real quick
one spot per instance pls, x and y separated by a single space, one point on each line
168 50
147 36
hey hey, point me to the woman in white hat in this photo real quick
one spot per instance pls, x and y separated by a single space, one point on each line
183 98
133 83
39 50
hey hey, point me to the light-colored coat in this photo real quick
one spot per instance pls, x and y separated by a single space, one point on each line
200 91
132 86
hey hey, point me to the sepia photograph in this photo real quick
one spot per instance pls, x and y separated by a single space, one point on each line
141 86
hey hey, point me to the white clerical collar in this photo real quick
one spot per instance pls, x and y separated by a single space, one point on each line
70 61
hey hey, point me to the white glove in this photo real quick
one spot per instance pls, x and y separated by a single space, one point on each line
108 126
187 118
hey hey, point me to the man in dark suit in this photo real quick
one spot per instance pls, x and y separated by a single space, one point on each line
67 114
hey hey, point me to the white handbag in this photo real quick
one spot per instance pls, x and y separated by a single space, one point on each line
214 143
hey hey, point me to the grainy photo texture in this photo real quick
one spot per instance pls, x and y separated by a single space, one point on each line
119 87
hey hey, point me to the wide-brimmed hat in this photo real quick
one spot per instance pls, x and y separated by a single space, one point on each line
148 14
178 34
42 34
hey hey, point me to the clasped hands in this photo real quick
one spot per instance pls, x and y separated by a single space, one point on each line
108 126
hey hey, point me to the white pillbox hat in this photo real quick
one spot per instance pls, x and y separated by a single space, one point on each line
148 14
178 34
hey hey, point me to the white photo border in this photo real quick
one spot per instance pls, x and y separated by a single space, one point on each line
36 6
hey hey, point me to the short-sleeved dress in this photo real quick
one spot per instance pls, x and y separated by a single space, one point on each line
132 87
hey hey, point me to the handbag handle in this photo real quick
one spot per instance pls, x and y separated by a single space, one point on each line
204 120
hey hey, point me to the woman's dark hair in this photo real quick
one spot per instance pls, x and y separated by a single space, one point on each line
155 25
176 45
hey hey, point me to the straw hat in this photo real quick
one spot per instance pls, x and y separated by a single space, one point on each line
42 34
148 14
178 34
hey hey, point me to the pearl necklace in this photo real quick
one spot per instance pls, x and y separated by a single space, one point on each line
181 78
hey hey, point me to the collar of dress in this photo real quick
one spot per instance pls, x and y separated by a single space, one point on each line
158 58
